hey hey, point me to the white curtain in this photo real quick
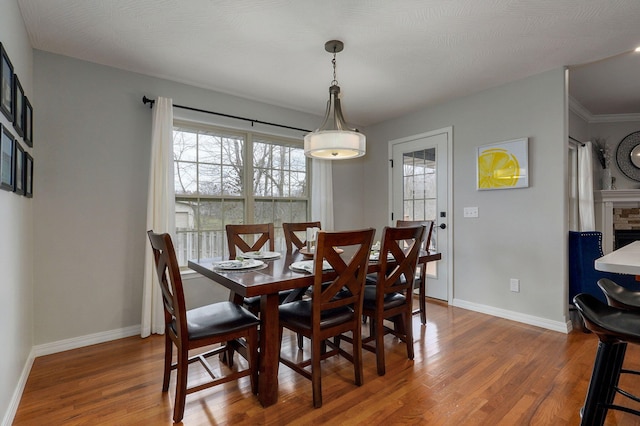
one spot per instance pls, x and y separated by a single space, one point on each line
322 193
585 188
160 211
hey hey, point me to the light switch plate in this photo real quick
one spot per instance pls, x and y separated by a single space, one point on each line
470 212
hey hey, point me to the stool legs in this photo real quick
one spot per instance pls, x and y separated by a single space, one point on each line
604 380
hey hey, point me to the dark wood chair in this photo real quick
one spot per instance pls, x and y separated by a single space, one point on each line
246 238
334 308
197 328
239 237
392 296
293 242
422 283
291 238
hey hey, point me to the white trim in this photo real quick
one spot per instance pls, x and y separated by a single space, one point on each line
10 414
562 327
81 341
586 115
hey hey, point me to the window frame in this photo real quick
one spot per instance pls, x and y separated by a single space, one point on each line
247 197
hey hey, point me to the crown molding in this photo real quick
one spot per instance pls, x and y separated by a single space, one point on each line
577 108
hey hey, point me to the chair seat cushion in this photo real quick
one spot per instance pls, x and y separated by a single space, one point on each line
299 314
391 300
218 318
253 302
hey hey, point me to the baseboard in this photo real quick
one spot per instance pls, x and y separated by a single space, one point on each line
17 393
562 327
79 342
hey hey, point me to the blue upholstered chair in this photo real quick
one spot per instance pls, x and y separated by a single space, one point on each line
584 249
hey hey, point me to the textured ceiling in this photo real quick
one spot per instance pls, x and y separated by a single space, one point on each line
399 55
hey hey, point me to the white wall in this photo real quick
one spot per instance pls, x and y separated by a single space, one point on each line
521 233
16 231
92 174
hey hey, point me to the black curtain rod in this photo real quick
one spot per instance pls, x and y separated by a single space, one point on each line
146 100
576 140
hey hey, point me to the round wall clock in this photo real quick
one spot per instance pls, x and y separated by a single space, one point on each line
628 156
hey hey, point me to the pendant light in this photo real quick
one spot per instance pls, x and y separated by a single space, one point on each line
334 140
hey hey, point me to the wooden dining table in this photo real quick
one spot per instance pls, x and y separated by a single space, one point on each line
267 281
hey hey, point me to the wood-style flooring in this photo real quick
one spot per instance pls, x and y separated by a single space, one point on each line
469 369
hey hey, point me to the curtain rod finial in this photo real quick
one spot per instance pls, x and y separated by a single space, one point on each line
146 100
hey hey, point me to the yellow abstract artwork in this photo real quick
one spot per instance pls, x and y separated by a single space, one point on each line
503 165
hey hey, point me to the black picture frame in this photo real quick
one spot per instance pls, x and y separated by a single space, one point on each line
6 159
28 122
18 168
18 106
28 175
6 85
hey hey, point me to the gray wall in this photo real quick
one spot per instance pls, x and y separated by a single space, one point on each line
92 169
84 255
521 233
613 132
16 230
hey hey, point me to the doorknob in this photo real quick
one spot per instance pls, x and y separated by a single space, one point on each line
443 225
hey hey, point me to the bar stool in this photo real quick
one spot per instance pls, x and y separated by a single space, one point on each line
615 328
619 296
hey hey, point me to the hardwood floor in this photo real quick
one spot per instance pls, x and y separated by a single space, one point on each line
469 369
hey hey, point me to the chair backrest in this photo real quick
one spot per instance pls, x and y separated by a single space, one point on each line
350 273
261 233
290 236
168 273
428 224
404 244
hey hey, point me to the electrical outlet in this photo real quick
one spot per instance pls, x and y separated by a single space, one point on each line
470 212
515 285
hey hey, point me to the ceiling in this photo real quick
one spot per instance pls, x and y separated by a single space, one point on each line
399 56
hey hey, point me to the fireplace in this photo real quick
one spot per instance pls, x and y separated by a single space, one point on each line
622 237
607 222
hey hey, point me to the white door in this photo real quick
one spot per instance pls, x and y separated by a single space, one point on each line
420 191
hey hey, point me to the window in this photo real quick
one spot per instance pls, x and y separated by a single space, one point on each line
226 177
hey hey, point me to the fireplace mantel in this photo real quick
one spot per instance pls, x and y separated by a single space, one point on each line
605 201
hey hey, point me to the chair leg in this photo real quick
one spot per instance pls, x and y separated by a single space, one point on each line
357 357
603 375
379 343
300 341
316 376
252 340
181 384
168 355
408 331
422 295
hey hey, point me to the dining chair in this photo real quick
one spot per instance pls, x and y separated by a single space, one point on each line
292 240
334 308
392 296
198 328
241 236
251 237
428 224
422 282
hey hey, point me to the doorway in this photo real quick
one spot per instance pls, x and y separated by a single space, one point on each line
420 190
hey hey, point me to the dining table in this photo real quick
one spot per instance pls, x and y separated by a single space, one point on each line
266 281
